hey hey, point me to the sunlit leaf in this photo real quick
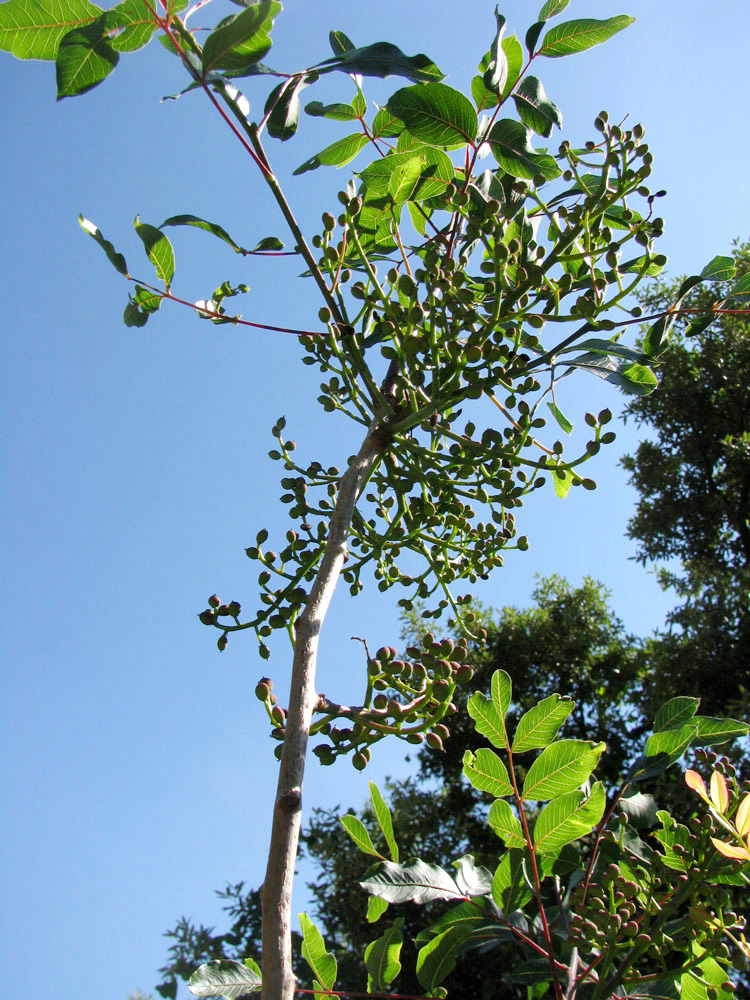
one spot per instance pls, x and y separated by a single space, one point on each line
435 114
209 227
416 882
437 959
551 9
675 713
472 879
340 43
718 269
224 978
510 889
534 107
672 741
487 720
560 417
140 306
85 57
131 25
639 808
283 106
337 154
336 112
116 259
383 59
376 907
577 36
496 75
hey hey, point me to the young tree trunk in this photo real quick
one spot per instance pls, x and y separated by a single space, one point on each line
278 977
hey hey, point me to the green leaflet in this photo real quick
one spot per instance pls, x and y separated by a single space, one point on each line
675 712
509 141
158 249
321 962
495 76
115 258
242 40
487 720
577 36
340 43
513 53
561 768
336 112
85 57
359 834
224 978
337 154
131 26
535 109
672 741
33 29
437 959
560 417
568 818
718 269
376 907
382 958
140 306
466 914
551 9
436 114
487 772
283 106
510 889
538 727
503 821
383 59
562 480
472 879
385 821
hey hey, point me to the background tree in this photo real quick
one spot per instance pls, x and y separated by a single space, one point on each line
692 473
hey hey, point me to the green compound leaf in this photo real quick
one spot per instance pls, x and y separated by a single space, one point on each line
85 57
158 249
359 834
337 154
382 958
504 822
437 959
215 230
383 59
436 114
561 768
416 882
116 259
385 821
551 9
535 109
538 727
568 818
577 36
510 889
487 772
224 978
321 962
242 40
511 146
376 907
33 29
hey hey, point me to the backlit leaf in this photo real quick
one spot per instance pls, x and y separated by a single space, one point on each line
437 959
561 768
435 114
672 741
337 154
560 417
158 249
383 59
714 732
719 269
33 29
224 978
336 112
503 821
551 9
538 727
510 890
321 962
577 36
376 907
140 306
359 834
487 720
385 821
131 25
568 818
675 713
487 772
209 227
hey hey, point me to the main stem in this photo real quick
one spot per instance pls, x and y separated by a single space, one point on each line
276 895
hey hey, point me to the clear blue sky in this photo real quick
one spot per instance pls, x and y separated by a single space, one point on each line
137 773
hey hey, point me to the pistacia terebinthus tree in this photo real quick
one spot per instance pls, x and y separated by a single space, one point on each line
454 296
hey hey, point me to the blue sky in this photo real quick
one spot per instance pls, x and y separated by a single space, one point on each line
137 773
